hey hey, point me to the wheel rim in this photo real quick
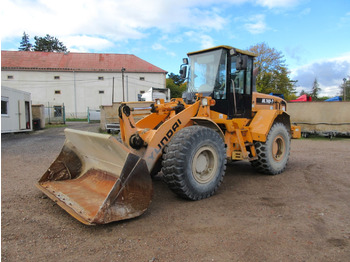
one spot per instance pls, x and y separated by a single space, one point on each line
204 164
278 148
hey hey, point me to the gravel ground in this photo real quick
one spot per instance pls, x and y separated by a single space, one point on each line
300 215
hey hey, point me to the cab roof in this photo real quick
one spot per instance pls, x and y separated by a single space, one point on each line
223 47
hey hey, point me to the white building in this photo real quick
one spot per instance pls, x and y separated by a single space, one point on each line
79 80
16 110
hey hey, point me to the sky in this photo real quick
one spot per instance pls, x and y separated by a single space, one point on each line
313 35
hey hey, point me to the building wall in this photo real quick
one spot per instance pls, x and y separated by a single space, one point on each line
10 122
80 90
321 116
110 114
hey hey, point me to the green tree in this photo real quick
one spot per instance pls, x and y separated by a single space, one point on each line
48 44
176 85
302 92
175 90
315 90
273 73
25 45
178 80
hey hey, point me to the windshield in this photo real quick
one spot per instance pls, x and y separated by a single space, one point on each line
208 73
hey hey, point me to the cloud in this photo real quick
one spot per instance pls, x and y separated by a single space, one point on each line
169 53
329 74
344 21
157 46
256 24
205 41
295 52
119 20
278 3
305 11
86 43
107 22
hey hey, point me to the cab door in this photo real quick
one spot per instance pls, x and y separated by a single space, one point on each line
240 82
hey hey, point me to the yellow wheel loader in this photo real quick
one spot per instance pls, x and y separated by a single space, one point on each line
99 178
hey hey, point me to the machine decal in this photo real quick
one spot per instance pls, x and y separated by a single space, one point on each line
166 138
265 101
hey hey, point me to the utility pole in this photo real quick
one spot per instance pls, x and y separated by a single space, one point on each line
113 91
344 89
75 96
123 70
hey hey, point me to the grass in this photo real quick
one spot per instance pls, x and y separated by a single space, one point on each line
76 120
54 126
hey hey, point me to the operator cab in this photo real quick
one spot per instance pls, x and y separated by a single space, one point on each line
223 73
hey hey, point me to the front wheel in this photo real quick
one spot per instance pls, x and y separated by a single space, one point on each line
274 153
194 162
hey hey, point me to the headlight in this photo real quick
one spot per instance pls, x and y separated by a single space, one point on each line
157 101
204 101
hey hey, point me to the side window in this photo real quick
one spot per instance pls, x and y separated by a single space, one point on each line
248 88
4 106
220 83
237 77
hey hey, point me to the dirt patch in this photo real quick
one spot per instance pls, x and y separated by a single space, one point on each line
300 215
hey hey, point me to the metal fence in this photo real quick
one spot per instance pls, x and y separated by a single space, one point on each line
55 114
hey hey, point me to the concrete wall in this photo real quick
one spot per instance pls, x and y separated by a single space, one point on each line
109 114
313 117
38 112
321 116
80 90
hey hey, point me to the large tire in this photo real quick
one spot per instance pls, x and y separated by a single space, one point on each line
274 153
194 162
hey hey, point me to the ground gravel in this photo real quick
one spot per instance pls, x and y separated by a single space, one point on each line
300 215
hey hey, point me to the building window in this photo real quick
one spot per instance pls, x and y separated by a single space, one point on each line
9 77
4 106
57 92
142 92
142 78
56 77
57 111
101 91
101 78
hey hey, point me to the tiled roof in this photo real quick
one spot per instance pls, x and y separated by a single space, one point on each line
86 62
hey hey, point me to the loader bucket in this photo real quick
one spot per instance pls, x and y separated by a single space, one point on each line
97 180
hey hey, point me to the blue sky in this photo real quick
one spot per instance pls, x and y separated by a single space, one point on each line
313 35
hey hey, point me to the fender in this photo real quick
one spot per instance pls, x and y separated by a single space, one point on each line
263 121
203 121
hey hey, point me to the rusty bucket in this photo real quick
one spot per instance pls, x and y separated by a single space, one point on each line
97 179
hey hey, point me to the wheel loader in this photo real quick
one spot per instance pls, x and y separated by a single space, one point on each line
99 178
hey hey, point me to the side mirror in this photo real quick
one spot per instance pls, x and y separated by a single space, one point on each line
241 63
183 71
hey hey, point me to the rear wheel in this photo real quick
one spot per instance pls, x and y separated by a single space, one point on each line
194 162
274 153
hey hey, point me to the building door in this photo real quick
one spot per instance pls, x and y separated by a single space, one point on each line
24 114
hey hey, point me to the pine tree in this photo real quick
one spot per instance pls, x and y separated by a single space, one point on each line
345 89
25 45
48 44
315 90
